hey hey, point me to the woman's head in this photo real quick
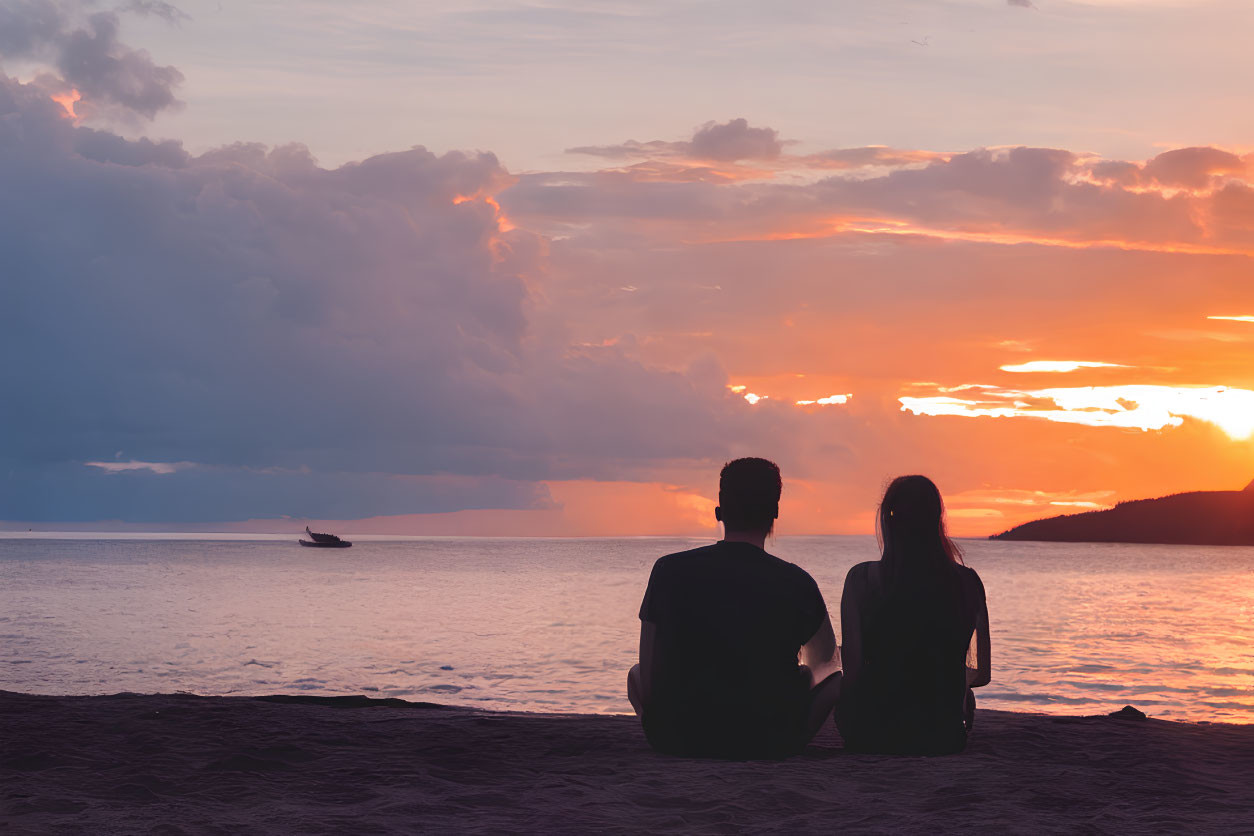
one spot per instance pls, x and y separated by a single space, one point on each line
911 527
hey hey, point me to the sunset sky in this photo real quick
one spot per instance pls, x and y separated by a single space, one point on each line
541 268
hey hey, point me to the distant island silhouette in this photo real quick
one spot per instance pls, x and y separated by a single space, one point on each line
1202 518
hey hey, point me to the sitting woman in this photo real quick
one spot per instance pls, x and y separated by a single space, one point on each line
907 622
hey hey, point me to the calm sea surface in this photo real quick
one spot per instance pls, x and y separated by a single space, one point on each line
550 625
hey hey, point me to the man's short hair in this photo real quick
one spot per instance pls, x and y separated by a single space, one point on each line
748 494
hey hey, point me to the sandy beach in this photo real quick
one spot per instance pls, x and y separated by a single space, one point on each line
187 764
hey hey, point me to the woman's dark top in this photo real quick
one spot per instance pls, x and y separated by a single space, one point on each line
907 696
729 621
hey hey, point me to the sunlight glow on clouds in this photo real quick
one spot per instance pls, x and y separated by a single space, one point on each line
1034 499
1059 366
828 401
547 344
1006 505
749 396
1143 407
67 100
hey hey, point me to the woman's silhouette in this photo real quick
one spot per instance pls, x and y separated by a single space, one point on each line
907 622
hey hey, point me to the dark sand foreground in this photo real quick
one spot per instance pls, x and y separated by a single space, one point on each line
185 764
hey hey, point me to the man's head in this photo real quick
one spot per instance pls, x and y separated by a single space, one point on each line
748 495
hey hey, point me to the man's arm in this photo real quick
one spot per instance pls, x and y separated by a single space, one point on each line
655 601
819 653
648 641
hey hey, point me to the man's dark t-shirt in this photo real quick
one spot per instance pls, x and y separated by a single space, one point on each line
729 620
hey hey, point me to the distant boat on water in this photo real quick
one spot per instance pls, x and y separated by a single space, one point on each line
324 541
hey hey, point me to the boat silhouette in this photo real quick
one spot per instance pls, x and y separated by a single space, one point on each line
324 541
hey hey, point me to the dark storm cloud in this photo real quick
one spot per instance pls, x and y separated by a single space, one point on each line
112 78
103 70
28 26
299 335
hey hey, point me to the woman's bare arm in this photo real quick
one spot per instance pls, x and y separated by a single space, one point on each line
851 624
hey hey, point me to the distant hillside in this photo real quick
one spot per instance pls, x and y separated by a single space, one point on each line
1206 518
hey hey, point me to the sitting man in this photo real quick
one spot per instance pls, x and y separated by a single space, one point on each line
721 630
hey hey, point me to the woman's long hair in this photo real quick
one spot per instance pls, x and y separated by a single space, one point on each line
911 532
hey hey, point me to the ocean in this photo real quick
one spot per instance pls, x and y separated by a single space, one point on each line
550 625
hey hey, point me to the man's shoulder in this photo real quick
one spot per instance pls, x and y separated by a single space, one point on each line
690 554
790 569
688 557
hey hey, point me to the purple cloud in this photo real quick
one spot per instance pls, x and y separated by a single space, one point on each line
112 78
729 141
735 140
1192 168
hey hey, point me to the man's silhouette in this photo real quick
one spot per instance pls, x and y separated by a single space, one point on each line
720 631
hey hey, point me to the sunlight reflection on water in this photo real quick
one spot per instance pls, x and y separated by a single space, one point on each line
550 625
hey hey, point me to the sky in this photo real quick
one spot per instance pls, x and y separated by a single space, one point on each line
542 268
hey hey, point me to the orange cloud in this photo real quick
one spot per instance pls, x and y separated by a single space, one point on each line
1061 366
67 100
871 156
1143 407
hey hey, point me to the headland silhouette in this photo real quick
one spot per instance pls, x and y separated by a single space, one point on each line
1201 518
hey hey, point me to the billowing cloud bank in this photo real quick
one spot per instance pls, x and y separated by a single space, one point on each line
303 341
246 334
